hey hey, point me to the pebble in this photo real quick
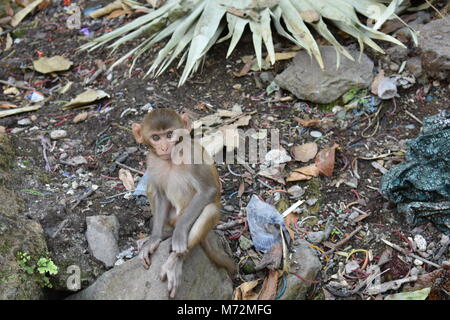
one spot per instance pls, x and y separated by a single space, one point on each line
393 67
33 117
315 134
24 122
311 202
229 208
420 242
80 117
58 134
17 130
418 262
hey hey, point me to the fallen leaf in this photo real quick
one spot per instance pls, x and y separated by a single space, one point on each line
269 286
305 152
19 16
376 82
118 13
296 176
53 64
86 97
245 69
80 117
291 218
310 170
275 173
307 123
325 160
9 42
127 179
245 291
282 56
7 106
19 110
241 189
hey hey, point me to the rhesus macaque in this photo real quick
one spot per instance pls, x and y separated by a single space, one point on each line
182 194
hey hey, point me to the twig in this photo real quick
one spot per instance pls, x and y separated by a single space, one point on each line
231 224
81 198
413 116
129 168
390 285
396 247
343 241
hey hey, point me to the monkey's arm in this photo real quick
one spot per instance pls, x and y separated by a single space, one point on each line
160 208
204 196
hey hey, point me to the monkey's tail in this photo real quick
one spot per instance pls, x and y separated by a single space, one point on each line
217 254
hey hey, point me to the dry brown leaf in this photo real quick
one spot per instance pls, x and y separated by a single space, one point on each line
274 173
376 82
245 69
296 176
241 189
127 179
310 170
307 123
269 286
291 218
282 56
7 106
245 291
118 13
51 64
305 152
325 160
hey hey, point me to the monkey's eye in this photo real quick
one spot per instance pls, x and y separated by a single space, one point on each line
155 137
169 134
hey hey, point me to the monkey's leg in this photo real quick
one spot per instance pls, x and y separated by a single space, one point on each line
172 268
172 271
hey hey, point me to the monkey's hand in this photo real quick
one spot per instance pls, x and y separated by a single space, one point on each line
180 241
147 247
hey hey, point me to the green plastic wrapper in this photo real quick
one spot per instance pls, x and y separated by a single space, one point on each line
421 186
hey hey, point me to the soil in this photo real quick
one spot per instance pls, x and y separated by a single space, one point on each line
213 85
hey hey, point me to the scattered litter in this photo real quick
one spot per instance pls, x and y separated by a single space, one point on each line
419 186
264 221
387 88
58 134
34 96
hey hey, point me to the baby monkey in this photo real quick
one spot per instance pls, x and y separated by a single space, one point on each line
182 194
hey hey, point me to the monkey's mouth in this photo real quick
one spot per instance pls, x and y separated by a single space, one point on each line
165 156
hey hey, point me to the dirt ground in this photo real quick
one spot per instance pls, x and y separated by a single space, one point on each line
105 135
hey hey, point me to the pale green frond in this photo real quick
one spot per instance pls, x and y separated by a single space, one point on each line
276 15
267 34
237 33
255 27
205 29
297 27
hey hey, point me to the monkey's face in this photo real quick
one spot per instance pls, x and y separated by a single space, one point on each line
162 143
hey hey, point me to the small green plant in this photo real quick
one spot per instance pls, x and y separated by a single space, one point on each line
43 267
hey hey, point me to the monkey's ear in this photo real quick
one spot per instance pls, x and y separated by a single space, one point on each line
186 121
137 132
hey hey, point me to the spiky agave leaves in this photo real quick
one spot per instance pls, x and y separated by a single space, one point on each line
194 26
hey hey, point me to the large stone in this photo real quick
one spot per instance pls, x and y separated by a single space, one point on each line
434 42
202 280
102 234
307 81
304 262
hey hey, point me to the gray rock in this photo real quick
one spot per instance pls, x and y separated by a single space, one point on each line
305 263
414 66
397 53
266 77
102 234
202 280
434 42
58 134
307 81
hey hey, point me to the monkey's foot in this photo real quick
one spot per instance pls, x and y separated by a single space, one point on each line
146 247
172 271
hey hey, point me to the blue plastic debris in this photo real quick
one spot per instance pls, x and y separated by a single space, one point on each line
141 189
264 222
